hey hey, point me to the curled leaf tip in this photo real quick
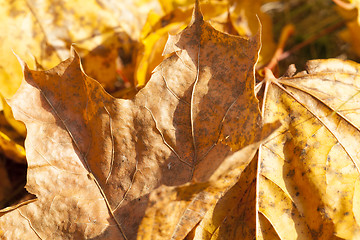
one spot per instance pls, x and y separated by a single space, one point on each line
197 15
74 55
197 4
73 52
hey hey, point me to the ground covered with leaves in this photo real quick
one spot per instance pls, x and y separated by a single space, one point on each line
179 120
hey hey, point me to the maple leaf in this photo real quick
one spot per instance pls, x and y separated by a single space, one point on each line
93 160
309 172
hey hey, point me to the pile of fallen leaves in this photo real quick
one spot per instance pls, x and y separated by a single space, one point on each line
191 135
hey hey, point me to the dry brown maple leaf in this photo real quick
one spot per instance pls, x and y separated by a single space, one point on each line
93 159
